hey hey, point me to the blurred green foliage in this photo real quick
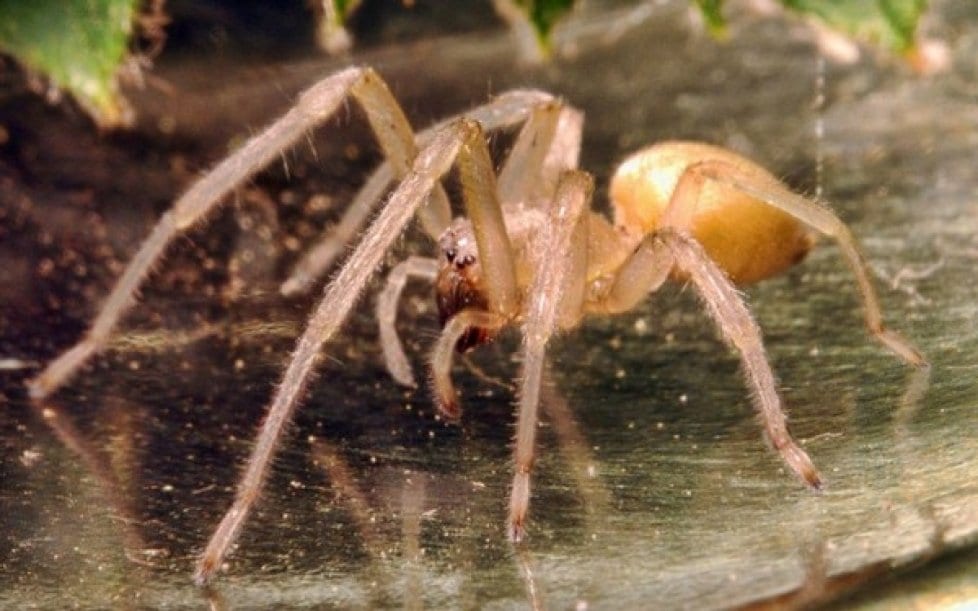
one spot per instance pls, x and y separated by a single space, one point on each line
344 8
888 23
78 45
891 24
544 15
713 15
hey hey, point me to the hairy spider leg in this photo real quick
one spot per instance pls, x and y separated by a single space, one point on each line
314 107
524 179
510 108
548 143
462 143
821 219
558 275
740 330
496 257
673 245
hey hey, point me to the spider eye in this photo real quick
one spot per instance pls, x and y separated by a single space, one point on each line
450 255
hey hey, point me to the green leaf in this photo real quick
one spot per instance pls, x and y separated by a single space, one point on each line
713 16
344 8
891 24
544 14
78 44
888 23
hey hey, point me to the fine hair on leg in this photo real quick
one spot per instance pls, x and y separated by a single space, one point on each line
738 329
811 214
551 280
314 107
521 180
506 110
430 165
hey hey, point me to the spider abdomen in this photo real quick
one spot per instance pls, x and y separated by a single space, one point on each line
747 238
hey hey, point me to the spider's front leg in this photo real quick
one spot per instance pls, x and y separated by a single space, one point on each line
555 296
548 145
315 106
509 109
453 143
479 267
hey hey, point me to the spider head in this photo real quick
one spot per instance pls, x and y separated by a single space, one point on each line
459 283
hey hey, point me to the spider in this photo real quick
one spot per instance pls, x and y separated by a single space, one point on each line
528 252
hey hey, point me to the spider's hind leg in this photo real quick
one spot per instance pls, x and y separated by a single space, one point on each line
811 214
739 329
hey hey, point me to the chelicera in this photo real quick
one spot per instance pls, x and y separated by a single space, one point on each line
529 251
